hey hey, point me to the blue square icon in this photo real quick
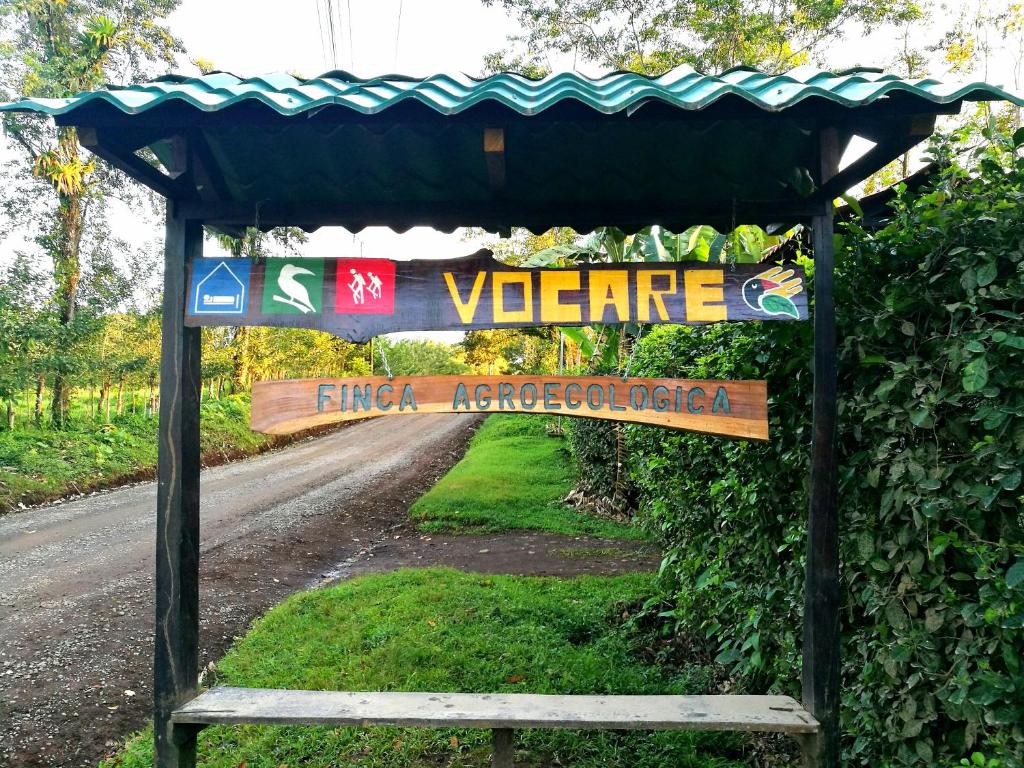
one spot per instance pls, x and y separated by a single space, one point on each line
219 287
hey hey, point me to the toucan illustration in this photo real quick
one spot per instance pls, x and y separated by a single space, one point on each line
298 296
771 292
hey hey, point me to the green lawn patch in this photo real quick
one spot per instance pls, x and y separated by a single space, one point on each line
41 464
444 630
514 476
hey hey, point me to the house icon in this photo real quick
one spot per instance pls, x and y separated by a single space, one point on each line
217 289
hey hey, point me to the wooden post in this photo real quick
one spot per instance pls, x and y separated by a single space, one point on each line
821 670
502 748
176 652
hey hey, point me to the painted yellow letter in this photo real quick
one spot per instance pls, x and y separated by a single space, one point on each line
553 282
499 281
705 298
468 309
604 282
645 293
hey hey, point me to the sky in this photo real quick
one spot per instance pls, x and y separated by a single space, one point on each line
415 37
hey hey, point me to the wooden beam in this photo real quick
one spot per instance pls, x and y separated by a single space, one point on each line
176 650
915 130
821 671
207 177
494 151
498 214
125 160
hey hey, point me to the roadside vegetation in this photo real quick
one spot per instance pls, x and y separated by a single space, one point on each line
931 450
38 465
514 476
442 630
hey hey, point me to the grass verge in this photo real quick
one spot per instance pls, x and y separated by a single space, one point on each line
514 476
38 465
443 630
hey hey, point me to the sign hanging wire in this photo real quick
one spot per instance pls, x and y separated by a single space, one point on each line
384 360
632 353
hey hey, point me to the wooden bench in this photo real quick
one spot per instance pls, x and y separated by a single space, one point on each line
501 713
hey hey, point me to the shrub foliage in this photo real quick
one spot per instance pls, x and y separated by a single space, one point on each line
931 440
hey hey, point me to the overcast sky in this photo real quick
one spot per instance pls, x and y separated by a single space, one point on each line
249 37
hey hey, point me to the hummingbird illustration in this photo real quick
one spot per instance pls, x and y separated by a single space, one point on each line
297 295
771 292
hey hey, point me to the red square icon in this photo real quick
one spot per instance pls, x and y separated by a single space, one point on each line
365 287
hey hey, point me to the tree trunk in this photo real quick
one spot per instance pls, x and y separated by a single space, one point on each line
10 415
120 392
66 242
151 405
38 413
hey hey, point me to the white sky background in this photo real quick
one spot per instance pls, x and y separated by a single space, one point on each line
250 37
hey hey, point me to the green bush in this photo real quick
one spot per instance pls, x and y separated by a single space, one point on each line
931 440
594 448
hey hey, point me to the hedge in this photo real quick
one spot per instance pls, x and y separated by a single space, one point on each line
931 440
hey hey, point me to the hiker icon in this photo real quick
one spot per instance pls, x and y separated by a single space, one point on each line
357 287
297 294
375 285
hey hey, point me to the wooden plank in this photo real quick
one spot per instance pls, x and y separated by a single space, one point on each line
820 675
510 711
727 408
176 650
358 299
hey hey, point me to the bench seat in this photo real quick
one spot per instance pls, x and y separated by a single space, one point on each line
496 711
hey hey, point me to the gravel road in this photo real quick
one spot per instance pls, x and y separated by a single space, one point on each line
76 578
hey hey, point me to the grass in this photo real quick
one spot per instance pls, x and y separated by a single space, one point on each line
443 630
513 476
37 465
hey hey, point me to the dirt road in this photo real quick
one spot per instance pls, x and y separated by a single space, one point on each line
76 604
76 578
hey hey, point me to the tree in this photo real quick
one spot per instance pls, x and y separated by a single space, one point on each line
54 49
653 36
418 357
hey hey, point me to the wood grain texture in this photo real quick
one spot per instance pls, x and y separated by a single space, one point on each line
727 408
478 292
780 714
821 674
176 639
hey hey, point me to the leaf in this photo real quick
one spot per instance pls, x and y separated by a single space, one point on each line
1015 576
854 204
1011 480
975 375
715 249
773 304
986 273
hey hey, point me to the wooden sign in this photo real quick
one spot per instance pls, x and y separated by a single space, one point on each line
357 299
729 408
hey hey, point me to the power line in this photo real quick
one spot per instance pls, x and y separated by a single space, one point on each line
351 48
398 32
333 33
323 36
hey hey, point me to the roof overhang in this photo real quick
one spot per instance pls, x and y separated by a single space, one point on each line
623 150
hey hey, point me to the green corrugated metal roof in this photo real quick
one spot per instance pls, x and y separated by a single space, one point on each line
683 87
623 149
